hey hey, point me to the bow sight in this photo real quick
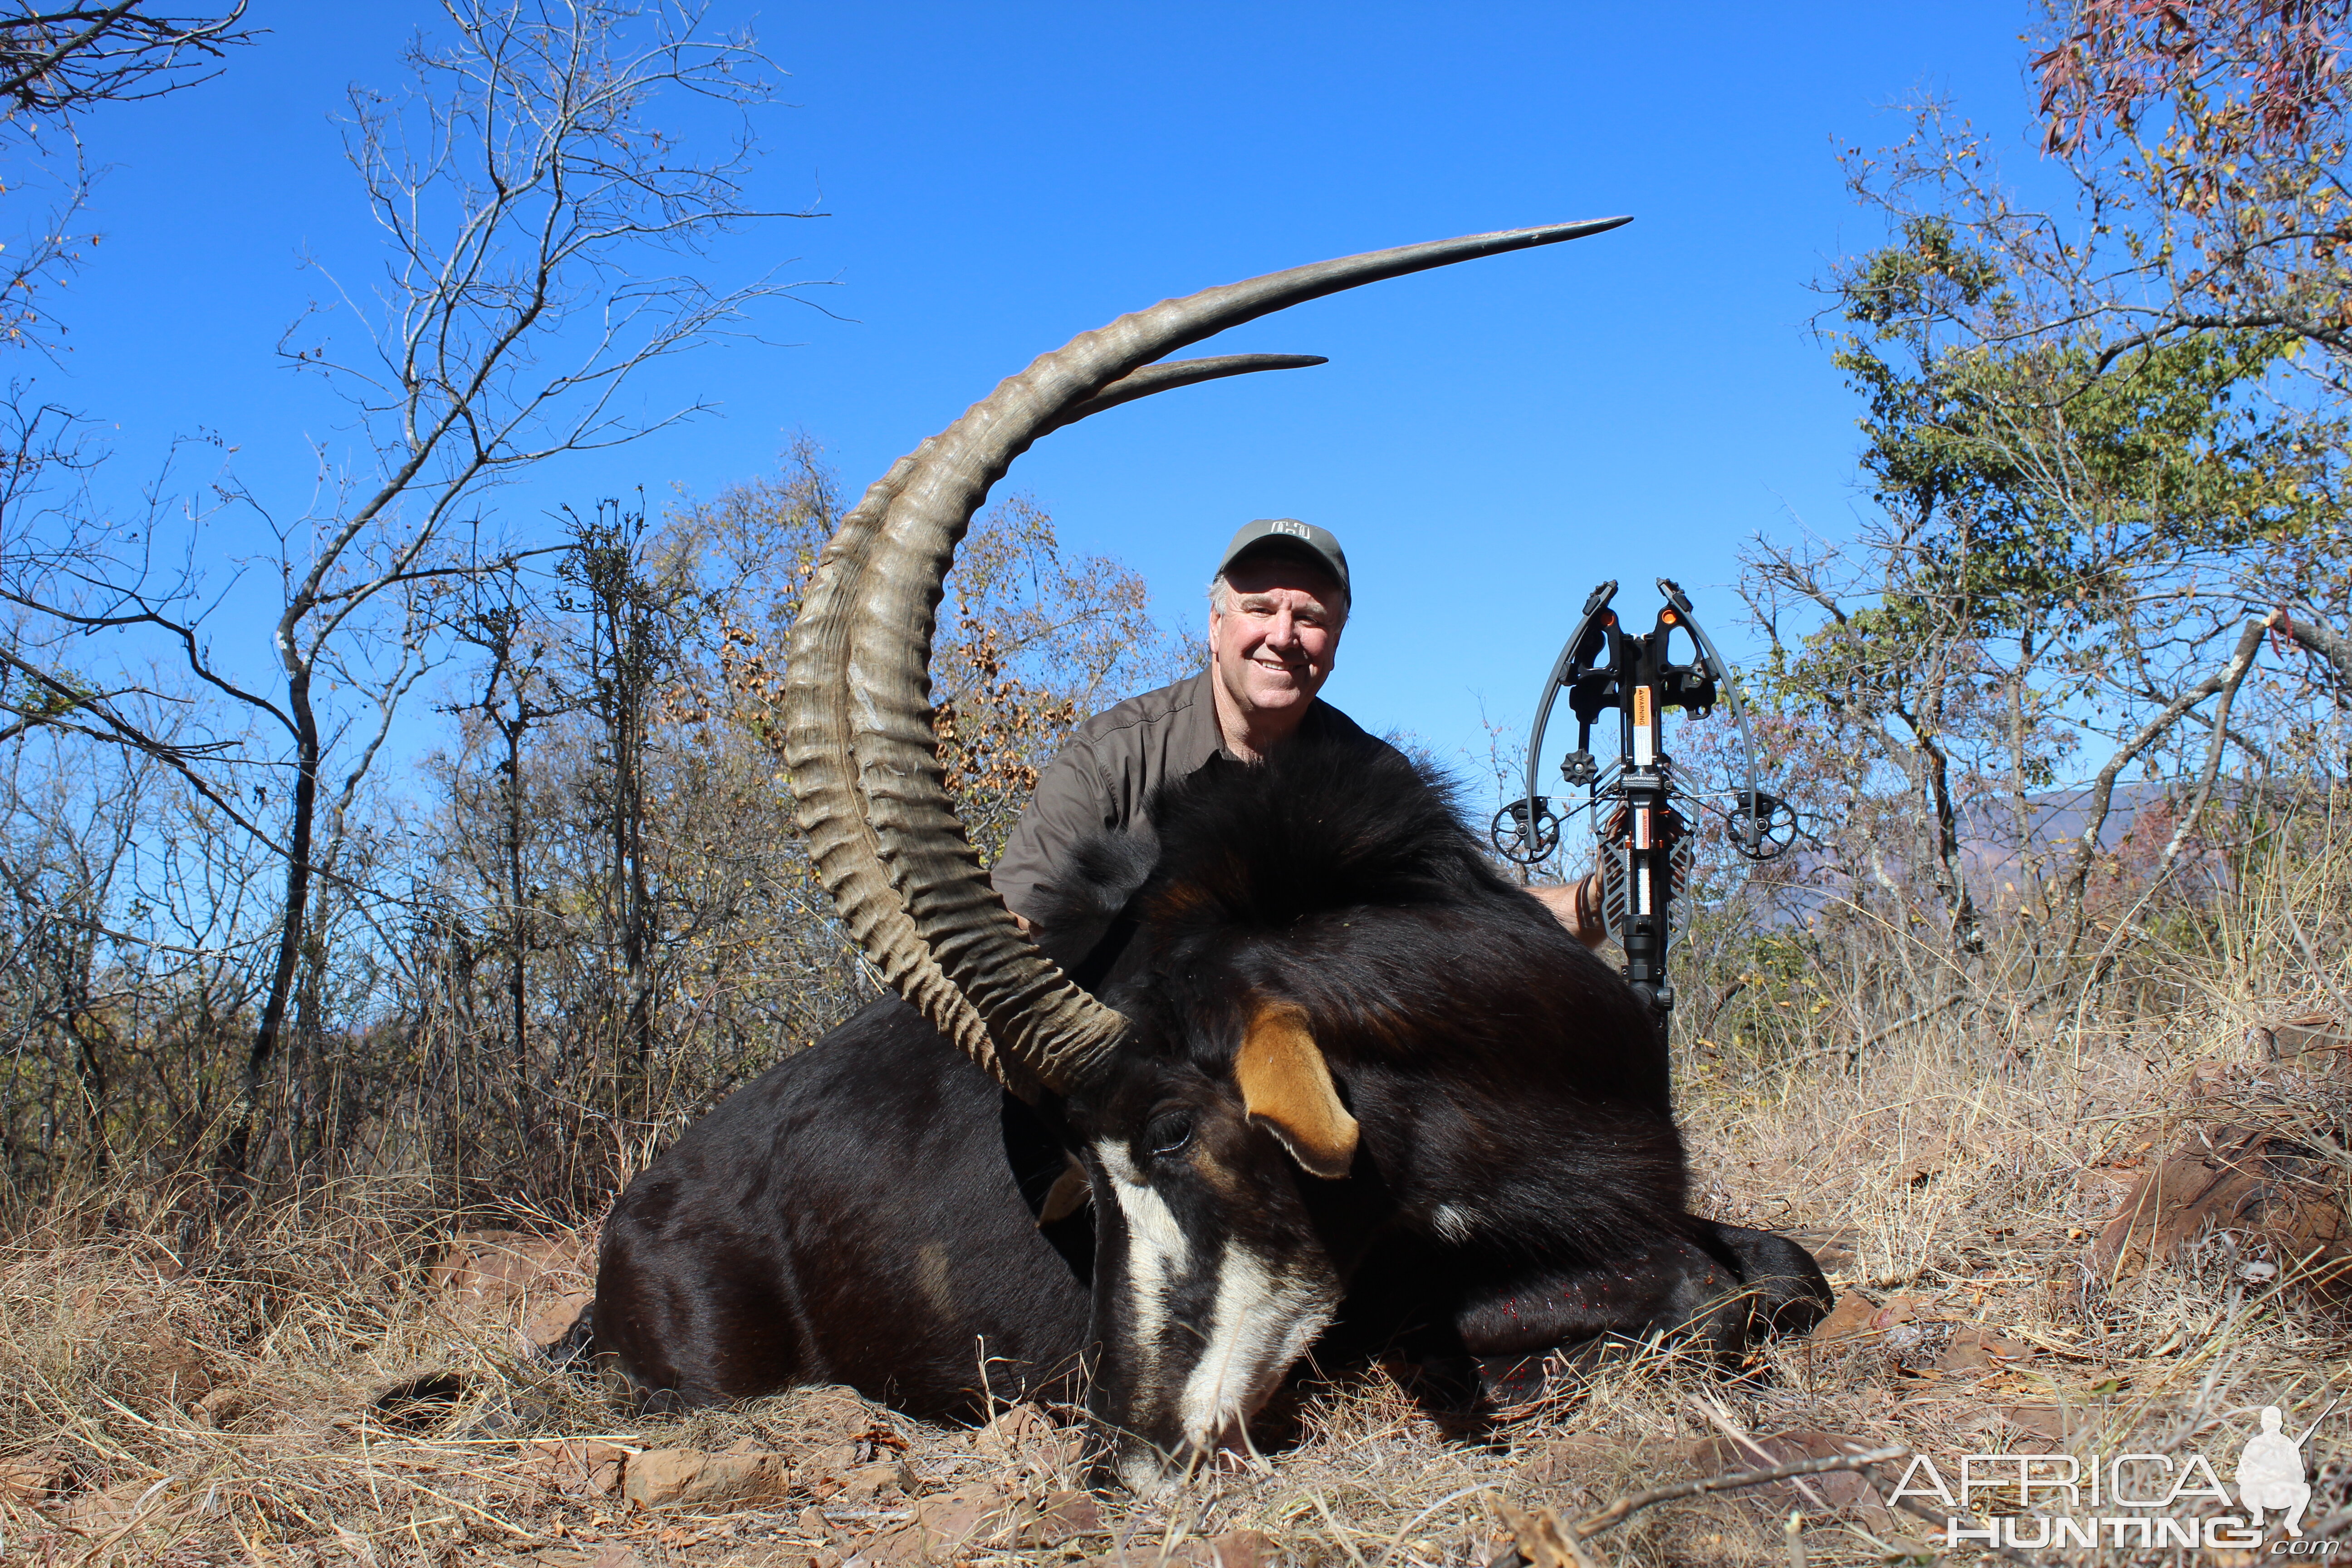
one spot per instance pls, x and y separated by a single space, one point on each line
1646 843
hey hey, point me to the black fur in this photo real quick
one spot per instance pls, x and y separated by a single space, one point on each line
865 1212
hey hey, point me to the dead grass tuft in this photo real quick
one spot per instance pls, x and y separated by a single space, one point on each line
172 1393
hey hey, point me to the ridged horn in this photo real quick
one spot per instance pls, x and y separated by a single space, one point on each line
858 741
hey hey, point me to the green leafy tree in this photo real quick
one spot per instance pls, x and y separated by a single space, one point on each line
2067 558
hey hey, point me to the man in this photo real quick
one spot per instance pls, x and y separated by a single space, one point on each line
1276 608
2271 1473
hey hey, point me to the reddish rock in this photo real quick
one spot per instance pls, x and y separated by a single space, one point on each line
1976 1349
493 1267
1010 1430
539 1283
552 1319
866 1485
2259 1180
222 1408
24 1480
687 1478
1234 1549
1061 1517
2047 1420
1922 1168
1242 1548
947 1527
581 1467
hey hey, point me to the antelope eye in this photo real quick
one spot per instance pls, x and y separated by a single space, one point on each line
1168 1131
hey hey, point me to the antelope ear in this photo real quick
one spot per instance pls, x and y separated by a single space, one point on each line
1071 1191
1286 1088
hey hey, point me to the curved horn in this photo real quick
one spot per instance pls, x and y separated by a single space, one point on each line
1170 375
858 741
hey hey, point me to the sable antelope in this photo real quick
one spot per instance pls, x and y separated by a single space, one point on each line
1334 1058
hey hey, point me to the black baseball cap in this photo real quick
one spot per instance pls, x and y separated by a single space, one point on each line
1288 535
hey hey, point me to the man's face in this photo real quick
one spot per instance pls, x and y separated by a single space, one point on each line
1273 643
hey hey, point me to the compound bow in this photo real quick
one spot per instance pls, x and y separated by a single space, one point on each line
1645 842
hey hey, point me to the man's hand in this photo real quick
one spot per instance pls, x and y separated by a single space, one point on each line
1578 907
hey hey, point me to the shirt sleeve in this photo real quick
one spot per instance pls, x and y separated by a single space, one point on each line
1070 802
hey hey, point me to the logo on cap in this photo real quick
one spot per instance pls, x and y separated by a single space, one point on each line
1287 525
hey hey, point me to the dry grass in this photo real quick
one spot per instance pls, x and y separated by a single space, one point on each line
176 1401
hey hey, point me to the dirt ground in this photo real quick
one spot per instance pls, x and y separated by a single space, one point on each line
2126 1249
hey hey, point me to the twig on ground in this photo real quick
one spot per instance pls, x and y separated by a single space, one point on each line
1712 1409
1624 1508
1551 1541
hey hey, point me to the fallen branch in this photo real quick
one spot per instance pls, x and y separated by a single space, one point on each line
1712 1409
1854 1051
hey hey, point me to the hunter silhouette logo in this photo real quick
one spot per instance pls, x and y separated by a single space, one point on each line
2271 1473
2127 1500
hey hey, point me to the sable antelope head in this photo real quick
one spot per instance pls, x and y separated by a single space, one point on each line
1210 1125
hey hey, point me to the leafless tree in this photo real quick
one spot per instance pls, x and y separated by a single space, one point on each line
527 196
501 339
516 695
130 936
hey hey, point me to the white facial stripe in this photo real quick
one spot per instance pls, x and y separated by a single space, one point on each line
1261 1323
1155 1250
1149 1217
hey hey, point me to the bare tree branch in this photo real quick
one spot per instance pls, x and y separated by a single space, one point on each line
2241 659
2324 640
58 60
2102 785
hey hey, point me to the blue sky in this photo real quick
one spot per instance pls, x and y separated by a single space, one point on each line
1488 440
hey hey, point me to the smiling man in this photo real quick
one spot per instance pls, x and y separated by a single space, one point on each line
1276 606
1276 610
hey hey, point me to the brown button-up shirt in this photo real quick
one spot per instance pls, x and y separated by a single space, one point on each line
1103 778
